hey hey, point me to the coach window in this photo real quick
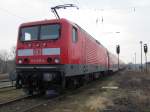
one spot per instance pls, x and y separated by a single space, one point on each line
74 35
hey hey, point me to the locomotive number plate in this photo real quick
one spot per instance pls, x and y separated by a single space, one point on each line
37 51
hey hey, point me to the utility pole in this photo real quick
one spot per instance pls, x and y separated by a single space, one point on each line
145 51
141 56
118 52
135 60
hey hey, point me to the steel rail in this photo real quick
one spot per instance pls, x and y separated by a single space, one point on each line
13 100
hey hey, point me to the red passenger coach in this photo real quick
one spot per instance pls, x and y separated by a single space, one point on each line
54 54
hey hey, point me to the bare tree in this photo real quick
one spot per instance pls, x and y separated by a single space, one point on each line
7 60
4 57
1 64
13 53
12 59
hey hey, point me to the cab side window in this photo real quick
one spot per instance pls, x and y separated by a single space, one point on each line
74 35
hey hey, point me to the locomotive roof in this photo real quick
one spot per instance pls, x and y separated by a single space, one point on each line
45 22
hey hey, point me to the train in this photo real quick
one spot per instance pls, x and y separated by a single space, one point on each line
56 54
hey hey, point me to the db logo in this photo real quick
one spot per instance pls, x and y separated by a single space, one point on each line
37 51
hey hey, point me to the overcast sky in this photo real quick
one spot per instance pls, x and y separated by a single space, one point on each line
101 18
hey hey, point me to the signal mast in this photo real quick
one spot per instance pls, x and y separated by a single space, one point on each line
118 52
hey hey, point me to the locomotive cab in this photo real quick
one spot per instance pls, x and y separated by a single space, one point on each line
42 50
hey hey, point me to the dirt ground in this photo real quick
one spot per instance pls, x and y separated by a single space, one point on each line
126 91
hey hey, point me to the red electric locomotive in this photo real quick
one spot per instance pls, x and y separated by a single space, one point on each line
53 54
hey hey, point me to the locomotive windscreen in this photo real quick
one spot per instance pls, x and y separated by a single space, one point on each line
41 32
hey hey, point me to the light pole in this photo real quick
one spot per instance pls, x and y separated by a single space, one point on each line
141 56
135 60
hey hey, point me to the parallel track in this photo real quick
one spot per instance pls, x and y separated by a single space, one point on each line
28 99
6 90
6 87
6 84
13 100
22 104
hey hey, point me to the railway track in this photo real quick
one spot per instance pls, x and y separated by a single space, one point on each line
19 104
6 87
13 100
6 84
28 103
23 104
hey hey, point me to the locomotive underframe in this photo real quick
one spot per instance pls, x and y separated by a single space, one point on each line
39 78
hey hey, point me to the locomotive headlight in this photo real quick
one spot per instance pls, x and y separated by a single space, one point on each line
20 61
57 60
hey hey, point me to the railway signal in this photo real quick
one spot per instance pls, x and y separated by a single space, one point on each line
145 51
54 9
141 55
118 52
145 48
